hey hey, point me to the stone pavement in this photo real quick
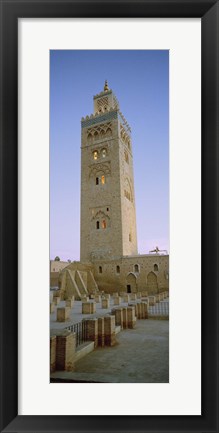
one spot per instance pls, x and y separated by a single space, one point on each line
141 355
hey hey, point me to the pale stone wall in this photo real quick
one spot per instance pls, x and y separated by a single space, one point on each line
106 155
57 266
112 281
128 212
77 280
147 278
54 279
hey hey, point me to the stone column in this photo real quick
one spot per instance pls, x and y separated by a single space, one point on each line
63 314
109 330
126 298
101 331
88 307
97 298
65 350
118 317
131 317
124 318
141 310
117 300
52 353
92 330
69 303
144 310
105 303
152 300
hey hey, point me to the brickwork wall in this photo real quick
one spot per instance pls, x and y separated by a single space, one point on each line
106 151
52 353
65 351
112 281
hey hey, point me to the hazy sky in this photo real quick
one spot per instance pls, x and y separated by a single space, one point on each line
140 80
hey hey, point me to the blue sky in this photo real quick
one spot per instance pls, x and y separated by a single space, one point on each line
140 80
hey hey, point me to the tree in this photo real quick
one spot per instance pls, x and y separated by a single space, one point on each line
57 259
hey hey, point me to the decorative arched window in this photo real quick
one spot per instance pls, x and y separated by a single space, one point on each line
95 154
96 136
104 153
103 180
97 225
126 157
100 270
118 269
155 267
89 138
103 224
108 132
128 190
136 268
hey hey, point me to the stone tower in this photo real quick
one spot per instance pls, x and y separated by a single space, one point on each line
108 218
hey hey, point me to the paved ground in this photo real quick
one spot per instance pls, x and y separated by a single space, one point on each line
140 356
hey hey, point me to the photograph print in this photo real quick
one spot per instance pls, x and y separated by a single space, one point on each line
109 216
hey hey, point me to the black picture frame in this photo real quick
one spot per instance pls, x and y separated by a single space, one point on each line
11 11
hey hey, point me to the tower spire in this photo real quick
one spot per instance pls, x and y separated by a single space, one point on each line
106 86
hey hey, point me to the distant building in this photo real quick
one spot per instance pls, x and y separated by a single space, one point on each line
56 266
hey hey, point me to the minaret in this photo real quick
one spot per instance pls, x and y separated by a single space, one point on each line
108 218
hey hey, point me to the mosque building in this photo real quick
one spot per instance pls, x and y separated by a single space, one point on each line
109 259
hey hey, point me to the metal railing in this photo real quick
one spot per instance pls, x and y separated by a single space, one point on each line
80 330
160 309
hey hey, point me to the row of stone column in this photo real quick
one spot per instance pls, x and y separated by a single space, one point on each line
99 330
102 331
89 307
55 300
125 317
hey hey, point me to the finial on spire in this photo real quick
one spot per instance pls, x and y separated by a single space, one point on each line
106 86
